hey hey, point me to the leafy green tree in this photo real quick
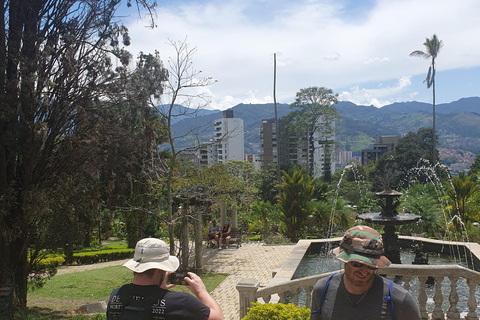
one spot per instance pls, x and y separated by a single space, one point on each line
432 48
134 132
266 184
295 202
415 146
56 66
475 167
392 169
314 116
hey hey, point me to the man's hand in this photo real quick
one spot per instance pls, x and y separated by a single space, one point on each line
164 284
195 284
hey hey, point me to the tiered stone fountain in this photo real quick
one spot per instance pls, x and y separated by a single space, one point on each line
390 218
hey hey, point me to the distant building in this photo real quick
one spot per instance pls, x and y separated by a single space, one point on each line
253 159
227 143
318 145
268 142
343 157
289 149
381 145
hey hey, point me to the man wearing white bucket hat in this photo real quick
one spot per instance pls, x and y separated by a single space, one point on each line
358 292
148 297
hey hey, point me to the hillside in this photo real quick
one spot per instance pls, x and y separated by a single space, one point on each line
458 123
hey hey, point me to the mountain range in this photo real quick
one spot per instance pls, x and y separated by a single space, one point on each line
457 123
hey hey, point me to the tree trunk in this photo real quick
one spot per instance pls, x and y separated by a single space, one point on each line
197 223
184 242
223 212
234 222
434 154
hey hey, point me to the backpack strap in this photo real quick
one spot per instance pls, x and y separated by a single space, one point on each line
389 298
322 297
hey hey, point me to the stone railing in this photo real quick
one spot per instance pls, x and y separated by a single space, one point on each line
249 290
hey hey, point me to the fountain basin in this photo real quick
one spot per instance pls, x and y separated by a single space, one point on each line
287 271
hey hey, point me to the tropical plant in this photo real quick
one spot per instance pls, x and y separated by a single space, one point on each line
432 47
295 202
463 189
265 218
422 200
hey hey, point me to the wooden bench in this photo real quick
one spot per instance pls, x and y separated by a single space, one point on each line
236 237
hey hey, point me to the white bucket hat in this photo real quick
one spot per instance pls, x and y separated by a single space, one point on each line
152 253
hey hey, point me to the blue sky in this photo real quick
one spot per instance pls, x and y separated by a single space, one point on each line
359 49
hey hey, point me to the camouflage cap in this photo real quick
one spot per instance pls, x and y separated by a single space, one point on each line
362 244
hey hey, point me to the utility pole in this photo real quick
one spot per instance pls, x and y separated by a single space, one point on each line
277 131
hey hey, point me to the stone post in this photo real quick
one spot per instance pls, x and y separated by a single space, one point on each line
246 290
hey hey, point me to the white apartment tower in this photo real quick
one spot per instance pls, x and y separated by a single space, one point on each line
227 143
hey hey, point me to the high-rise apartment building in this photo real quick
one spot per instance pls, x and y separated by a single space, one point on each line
309 152
382 144
227 143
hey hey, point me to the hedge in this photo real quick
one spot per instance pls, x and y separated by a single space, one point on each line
102 256
51 262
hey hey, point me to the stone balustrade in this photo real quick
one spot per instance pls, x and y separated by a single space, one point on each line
249 290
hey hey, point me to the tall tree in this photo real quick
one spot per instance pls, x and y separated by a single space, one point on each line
183 96
55 65
392 168
432 48
314 117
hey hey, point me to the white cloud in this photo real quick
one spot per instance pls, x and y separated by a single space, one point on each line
318 43
378 97
332 56
376 59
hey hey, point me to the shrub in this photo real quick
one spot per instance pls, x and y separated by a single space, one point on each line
277 311
276 239
51 262
256 237
102 256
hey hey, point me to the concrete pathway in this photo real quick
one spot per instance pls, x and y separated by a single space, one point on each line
252 261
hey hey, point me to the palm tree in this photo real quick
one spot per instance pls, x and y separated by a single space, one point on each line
432 47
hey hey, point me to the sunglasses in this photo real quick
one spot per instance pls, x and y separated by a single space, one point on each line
357 264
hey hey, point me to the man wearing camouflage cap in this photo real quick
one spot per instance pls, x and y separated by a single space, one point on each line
358 292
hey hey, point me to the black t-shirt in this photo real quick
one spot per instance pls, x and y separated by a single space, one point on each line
152 302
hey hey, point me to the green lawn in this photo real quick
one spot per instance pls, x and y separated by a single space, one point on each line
66 293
